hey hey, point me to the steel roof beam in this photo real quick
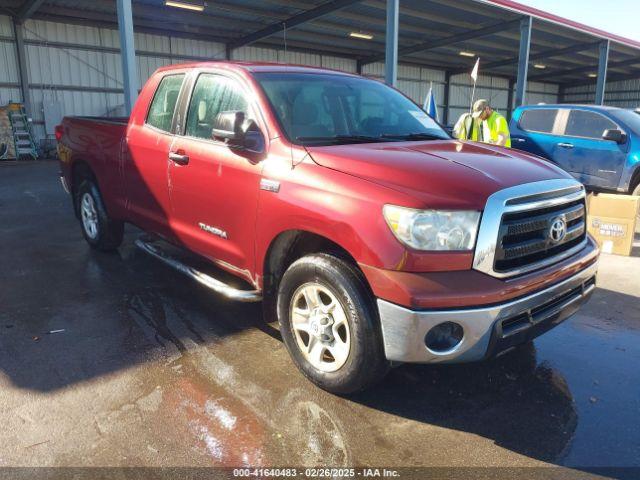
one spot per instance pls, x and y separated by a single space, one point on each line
537 56
635 75
442 42
28 9
586 69
295 20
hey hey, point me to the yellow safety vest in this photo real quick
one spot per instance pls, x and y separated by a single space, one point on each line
496 125
467 128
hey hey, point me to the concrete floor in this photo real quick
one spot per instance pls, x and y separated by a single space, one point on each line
152 370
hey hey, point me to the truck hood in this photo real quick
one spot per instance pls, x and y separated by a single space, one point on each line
440 174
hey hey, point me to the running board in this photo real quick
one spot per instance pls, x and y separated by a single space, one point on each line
200 277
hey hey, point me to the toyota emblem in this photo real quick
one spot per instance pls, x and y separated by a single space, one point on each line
558 230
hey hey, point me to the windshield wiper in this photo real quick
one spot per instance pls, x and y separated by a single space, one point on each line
342 138
413 136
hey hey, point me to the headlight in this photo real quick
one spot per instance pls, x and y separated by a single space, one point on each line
433 229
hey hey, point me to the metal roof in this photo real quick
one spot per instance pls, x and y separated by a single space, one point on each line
432 32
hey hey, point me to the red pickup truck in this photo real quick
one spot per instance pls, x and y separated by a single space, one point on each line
370 234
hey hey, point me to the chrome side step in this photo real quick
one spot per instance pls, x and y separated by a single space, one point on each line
200 277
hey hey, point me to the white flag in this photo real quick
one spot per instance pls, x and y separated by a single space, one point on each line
474 72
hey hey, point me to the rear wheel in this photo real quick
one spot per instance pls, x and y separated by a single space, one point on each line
100 231
330 325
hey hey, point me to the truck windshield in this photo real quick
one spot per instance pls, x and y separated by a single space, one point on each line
325 109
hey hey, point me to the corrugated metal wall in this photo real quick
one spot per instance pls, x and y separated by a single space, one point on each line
79 66
9 78
494 89
624 94
413 81
538 92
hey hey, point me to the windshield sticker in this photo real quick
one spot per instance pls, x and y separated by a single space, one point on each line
423 118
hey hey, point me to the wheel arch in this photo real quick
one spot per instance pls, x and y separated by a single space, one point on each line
287 247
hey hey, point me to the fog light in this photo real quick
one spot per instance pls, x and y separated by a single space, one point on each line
444 337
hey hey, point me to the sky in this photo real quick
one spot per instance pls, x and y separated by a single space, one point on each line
619 17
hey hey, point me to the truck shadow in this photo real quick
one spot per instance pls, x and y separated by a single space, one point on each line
522 405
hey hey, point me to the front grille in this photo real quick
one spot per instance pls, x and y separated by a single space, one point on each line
524 237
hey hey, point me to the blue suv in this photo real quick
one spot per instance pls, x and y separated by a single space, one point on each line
599 146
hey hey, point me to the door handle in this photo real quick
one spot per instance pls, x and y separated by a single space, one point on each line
518 139
566 145
179 158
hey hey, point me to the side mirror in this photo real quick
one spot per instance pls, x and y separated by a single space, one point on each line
227 126
614 135
238 132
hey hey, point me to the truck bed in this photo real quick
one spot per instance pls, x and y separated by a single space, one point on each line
108 120
97 142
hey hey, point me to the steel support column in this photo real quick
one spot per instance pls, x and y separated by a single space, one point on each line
447 97
603 60
523 60
128 54
561 92
22 66
510 98
391 52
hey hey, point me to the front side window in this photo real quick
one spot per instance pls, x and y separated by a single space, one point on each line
582 123
629 118
213 94
317 108
538 120
164 102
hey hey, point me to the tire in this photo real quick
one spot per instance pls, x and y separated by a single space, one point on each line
341 350
99 230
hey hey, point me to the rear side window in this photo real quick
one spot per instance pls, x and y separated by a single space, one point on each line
164 102
582 123
212 95
538 120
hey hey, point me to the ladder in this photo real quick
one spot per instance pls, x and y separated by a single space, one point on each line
22 136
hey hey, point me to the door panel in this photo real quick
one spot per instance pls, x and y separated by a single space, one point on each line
214 194
534 132
596 162
146 161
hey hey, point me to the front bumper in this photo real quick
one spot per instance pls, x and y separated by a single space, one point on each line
489 330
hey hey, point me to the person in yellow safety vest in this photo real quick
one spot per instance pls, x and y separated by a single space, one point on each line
495 128
467 128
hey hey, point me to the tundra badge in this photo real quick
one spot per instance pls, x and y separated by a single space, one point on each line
270 185
213 230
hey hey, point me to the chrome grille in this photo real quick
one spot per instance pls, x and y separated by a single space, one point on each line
514 234
524 237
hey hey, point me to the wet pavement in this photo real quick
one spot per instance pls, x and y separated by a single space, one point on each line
149 369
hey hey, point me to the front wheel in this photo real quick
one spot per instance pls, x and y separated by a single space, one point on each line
330 325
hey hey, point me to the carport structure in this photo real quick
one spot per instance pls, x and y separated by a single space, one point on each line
515 43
